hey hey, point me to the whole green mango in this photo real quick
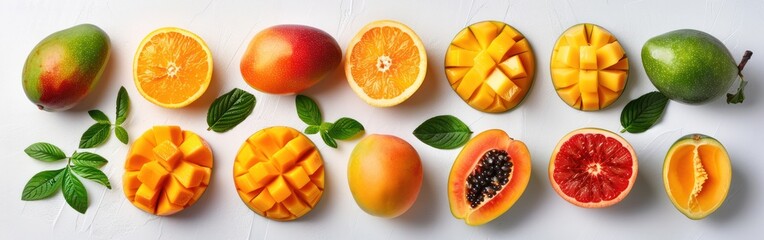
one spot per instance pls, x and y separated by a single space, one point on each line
65 66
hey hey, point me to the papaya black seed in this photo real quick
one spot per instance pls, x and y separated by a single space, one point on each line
490 175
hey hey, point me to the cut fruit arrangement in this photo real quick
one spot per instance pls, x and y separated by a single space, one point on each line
167 170
279 173
589 67
491 66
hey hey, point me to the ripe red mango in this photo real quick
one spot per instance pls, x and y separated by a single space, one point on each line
63 68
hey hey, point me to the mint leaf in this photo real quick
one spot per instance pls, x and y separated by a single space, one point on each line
443 132
99 116
74 192
344 128
45 152
95 135
229 110
328 139
121 134
640 114
307 110
42 185
92 173
88 159
123 105
312 129
325 126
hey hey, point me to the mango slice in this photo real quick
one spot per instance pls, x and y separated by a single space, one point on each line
490 65
588 56
279 173
167 170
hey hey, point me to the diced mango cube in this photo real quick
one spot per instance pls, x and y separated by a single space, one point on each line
278 212
318 178
168 133
483 98
311 162
130 184
564 77
623 64
285 159
263 143
238 170
166 207
614 80
207 175
279 189
576 36
570 95
609 54
455 74
197 194
607 97
569 56
263 201
501 45
140 153
147 197
296 206
176 193
484 32
459 57
297 177
513 67
587 58
590 101
502 86
263 173
466 40
195 150
188 174
587 81
167 154
245 183
309 193
599 37
470 83
247 156
153 175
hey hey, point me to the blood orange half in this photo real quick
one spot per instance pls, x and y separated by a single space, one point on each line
593 168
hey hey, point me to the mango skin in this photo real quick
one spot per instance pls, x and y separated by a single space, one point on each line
63 68
385 175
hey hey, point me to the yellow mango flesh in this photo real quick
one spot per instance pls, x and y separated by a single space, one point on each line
279 173
697 175
162 171
589 57
490 65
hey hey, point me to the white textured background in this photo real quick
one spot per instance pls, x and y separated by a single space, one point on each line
227 26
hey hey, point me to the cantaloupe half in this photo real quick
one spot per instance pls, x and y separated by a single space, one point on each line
167 170
490 65
697 175
589 67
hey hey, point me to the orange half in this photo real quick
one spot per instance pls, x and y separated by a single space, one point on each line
386 63
172 67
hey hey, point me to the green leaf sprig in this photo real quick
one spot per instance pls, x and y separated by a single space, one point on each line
46 183
443 132
640 114
230 109
342 129
99 132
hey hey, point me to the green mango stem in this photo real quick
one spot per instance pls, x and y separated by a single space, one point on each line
739 96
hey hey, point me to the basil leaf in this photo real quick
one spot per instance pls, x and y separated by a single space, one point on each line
640 114
443 132
328 140
74 192
42 185
92 173
121 134
307 110
229 110
123 105
345 128
312 129
88 159
95 135
99 116
45 152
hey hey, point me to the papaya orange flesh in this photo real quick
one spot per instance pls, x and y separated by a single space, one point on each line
490 148
697 175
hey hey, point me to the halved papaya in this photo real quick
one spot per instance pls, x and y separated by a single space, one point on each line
697 175
489 175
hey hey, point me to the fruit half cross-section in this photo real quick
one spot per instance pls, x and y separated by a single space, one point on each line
593 168
279 173
491 66
697 175
488 177
589 67
167 170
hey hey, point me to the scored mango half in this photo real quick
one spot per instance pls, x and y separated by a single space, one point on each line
167 170
279 173
490 65
589 67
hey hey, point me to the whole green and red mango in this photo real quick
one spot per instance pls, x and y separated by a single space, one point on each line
287 59
385 175
65 66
